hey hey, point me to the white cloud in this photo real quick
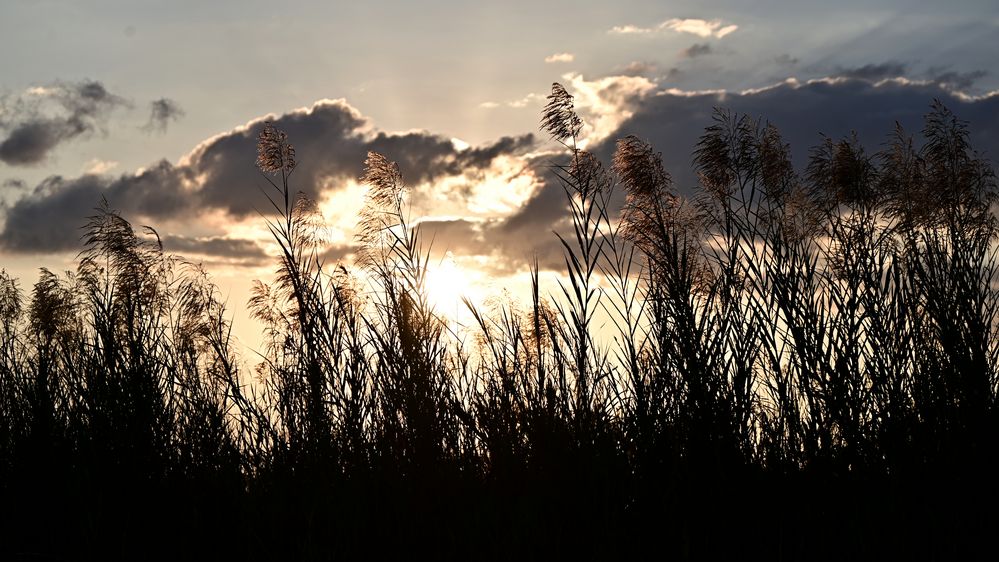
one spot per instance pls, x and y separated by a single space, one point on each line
40 91
607 102
96 166
694 26
515 104
630 30
560 57
525 101
491 192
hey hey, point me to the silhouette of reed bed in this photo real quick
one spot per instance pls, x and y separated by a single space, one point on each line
804 366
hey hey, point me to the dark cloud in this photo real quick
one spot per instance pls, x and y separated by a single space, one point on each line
338 252
161 113
674 122
245 251
10 190
697 50
13 184
460 236
48 116
508 245
943 76
954 80
331 140
49 218
802 112
873 72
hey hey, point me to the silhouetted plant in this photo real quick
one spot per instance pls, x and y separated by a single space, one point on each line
794 358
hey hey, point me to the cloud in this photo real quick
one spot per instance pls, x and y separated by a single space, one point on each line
218 176
46 116
13 184
694 26
630 30
50 216
941 76
697 50
525 101
560 57
520 103
98 166
246 252
955 80
638 68
605 102
10 190
161 113
673 120
873 72
505 234
502 246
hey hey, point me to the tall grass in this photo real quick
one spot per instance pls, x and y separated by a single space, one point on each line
796 359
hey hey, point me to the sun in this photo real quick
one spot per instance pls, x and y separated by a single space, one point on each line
446 286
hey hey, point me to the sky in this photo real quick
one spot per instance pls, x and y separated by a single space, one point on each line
156 105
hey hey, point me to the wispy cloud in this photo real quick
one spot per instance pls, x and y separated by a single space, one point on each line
694 26
519 103
956 80
630 30
560 57
697 50
98 166
526 100
873 72
161 113
638 68
46 116
893 70
245 252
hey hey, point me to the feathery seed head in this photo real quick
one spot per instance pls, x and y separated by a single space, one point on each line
559 118
274 152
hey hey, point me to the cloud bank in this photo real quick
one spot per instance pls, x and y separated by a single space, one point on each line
332 138
218 176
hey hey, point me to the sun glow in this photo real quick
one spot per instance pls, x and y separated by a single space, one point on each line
447 285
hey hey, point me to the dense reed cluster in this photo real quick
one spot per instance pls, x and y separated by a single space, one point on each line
800 366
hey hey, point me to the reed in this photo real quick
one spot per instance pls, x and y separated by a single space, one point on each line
797 358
